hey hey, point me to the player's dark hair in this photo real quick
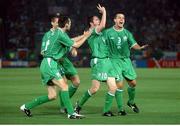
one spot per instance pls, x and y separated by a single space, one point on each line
53 17
63 20
117 14
89 20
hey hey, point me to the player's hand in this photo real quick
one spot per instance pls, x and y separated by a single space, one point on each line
87 33
144 46
101 9
74 52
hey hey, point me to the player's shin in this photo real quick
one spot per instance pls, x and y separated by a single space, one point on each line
84 98
131 93
64 94
66 101
119 99
72 90
108 102
60 100
38 101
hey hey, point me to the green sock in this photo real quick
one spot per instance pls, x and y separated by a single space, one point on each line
72 90
119 99
85 97
108 102
131 93
67 102
38 101
60 99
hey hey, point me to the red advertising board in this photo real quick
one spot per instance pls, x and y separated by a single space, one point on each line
164 63
19 64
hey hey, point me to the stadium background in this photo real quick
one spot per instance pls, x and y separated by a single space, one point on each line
155 22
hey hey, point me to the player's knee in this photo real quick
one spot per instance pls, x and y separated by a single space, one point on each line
76 82
94 90
64 87
113 89
132 83
52 96
119 85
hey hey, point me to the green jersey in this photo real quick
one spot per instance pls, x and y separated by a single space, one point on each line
45 40
98 45
119 43
56 44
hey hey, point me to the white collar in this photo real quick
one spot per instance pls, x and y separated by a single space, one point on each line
52 29
118 30
61 29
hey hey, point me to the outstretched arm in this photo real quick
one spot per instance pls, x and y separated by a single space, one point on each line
77 38
78 43
138 47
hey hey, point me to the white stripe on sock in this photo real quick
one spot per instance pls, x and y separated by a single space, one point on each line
131 87
111 94
89 93
74 86
120 90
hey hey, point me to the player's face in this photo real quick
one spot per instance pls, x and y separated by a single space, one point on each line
55 23
68 26
96 21
119 20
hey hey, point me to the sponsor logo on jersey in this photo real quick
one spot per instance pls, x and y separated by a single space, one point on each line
125 38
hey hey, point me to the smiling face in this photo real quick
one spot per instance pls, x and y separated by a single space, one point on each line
119 20
94 21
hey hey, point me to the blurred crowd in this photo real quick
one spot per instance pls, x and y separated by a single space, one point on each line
154 22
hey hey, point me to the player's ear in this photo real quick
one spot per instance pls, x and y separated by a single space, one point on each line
91 24
115 20
52 23
66 25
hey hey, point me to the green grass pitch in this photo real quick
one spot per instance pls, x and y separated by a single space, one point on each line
158 97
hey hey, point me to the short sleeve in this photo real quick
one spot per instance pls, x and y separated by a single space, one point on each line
131 40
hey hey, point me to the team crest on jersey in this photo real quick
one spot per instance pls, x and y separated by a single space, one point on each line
125 38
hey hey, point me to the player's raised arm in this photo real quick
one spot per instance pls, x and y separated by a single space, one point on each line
102 24
138 47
